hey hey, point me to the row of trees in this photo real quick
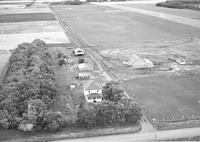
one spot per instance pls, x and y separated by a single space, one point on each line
115 110
29 90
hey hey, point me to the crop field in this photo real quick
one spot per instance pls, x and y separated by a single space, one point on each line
25 25
112 28
169 98
179 12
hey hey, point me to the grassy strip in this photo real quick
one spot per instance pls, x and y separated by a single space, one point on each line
174 125
70 133
68 3
181 4
197 138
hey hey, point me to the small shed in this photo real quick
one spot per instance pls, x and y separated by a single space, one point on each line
85 67
78 52
83 75
93 91
72 86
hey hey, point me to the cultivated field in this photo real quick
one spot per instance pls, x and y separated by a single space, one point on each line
169 98
179 12
112 28
26 24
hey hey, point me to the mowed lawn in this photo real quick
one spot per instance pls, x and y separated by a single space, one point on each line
169 97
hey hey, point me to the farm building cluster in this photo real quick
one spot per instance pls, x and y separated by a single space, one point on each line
83 70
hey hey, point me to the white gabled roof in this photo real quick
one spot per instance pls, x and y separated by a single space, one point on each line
78 49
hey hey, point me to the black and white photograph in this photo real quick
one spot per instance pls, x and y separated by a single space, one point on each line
99 70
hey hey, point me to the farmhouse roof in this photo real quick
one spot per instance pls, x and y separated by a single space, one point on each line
92 85
78 49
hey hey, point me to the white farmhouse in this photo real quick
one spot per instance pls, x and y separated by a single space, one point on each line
93 91
78 52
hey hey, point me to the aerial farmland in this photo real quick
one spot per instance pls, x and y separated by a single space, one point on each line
126 39
80 69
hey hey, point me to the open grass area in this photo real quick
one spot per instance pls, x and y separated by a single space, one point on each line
169 98
66 133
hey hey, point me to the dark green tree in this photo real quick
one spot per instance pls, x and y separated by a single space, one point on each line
112 92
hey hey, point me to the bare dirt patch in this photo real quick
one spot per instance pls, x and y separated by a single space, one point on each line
169 57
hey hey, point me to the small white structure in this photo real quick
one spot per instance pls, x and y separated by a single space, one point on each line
93 91
78 52
85 67
83 75
72 86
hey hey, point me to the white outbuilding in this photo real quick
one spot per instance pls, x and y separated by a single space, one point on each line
78 52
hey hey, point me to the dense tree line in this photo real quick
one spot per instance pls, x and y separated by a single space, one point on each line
115 110
29 81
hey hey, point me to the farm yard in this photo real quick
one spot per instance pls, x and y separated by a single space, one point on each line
66 75
152 59
157 59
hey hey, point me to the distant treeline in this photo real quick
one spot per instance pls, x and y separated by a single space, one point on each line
181 4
